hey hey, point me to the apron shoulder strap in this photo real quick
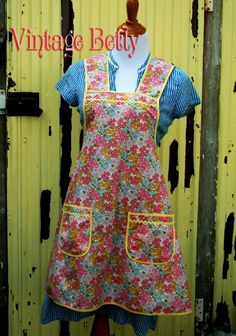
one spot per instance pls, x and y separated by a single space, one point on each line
155 77
96 73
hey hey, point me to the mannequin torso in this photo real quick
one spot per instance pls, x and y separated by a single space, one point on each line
127 72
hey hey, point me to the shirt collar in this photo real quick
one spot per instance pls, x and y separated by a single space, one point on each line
115 65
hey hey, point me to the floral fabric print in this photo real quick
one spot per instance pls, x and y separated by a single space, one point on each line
116 243
150 239
75 230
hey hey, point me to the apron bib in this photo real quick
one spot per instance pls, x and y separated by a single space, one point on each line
116 241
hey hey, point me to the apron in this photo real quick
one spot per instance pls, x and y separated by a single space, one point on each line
116 242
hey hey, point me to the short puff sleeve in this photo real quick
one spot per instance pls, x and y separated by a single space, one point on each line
68 84
186 96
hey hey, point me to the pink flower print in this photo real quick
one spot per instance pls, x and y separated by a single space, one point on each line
106 175
143 230
111 123
145 297
134 149
157 208
64 271
143 99
92 163
168 288
177 271
143 126
93 83
157 80
123 167
100 141
114 152
114 188
134 204
91 67
153 111
115 175
145 283
86 203
101 76
94 195
134 245
124 296
134 180
165 255
134 170
113 143
85 179
121 135
156 242
91 150
151 67
120 123
108 206
125 201
56 292
177 302
144 150
84 301
130 114
144 195
74 286
99 111
143 163
155 275
135 281
108 197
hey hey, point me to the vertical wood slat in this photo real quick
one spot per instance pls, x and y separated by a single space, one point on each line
3 182
224 284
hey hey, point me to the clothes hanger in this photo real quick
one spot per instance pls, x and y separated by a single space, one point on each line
131 26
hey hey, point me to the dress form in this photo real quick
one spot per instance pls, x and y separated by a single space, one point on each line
127 72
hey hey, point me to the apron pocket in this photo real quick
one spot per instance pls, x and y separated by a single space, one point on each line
75 230
150 238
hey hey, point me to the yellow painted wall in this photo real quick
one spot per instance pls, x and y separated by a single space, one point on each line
226 195
34 156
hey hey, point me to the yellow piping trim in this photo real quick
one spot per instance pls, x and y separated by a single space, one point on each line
145 72
89 215
108 75
113 101
76 214
122 92
166 80
158 103
157 122
127 238
85 94
149 222
77 206
151 214
121 306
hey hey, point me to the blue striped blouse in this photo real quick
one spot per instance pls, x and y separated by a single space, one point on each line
177 100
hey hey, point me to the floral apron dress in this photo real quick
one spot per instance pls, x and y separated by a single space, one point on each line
116 241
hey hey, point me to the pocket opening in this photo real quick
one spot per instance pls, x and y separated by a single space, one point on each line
75 234
150 238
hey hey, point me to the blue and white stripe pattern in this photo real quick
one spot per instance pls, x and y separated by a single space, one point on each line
140 323
177 100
